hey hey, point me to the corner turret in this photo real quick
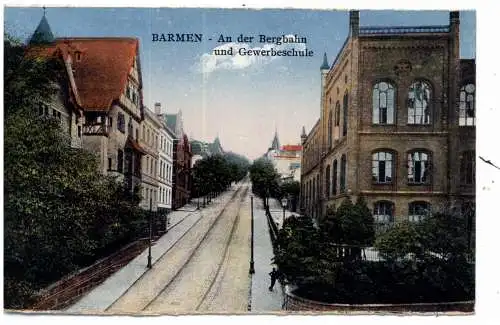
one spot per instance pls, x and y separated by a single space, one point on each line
303 136
325 65
43 34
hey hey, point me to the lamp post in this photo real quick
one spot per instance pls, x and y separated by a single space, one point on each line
150 231
252 269
283 203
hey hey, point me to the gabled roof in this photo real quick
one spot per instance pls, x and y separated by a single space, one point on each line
102 71
291 147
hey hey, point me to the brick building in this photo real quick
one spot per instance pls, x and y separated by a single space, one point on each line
181 183
181 166
396 125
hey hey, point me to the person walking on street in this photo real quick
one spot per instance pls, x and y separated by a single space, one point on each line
274 276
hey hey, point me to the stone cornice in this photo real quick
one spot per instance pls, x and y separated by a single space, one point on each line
378 192
413 45
438 133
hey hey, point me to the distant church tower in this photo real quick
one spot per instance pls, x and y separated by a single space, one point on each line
276 143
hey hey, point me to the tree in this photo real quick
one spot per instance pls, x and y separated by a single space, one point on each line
265 179
397 242
297 244
291 189
354 223
216 173
440 235
59 212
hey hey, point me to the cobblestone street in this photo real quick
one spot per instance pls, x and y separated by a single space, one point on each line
201 265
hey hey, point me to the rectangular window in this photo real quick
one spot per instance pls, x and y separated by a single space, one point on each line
79 131
121 122
120 161
110 161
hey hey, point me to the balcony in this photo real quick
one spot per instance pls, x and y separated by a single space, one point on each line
96 129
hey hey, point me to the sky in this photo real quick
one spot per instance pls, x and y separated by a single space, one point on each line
243 100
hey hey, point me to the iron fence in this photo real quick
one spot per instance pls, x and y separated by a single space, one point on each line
343 252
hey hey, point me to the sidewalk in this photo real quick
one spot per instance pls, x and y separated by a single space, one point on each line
263 300
103 296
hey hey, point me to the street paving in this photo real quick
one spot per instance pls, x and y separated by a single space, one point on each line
183 292
233 290
229 293
103 296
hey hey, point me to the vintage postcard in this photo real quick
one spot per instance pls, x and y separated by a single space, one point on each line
175 161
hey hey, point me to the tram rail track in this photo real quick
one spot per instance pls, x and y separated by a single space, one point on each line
159 303
234 202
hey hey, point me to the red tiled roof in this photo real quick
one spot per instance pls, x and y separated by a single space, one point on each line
101 73
291 147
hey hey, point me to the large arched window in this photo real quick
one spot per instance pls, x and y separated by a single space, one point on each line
382 167
419 103
419 167
383 103
467 111
345 109
334 178
327 180
314 189
418 210
318 190
337 114
383 212
343 171
330 126
468 168
308 192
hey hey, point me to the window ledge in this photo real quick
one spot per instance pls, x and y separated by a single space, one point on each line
418 184
382 124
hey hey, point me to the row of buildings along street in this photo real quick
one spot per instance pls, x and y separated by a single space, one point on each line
142 146
394 132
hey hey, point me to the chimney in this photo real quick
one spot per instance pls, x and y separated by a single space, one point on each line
157 108
454 18
354 23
